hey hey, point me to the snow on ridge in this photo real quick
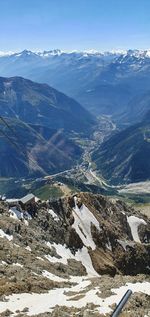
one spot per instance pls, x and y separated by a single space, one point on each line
81 281
17 214
28 248
141 54
9 53
83 218
83 256
88 52
4 235
3 263
65 254
53 214
148 53
134 223
17 264
53 277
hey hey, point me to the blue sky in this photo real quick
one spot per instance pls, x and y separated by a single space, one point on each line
74 24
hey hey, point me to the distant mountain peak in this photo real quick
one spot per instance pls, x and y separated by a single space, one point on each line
7 53
53 52
50 52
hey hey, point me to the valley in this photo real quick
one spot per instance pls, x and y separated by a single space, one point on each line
82 172
84 176
74 158
74 184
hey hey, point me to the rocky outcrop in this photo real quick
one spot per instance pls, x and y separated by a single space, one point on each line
110 245
87 240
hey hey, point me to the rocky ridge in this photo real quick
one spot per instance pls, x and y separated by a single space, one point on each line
82 247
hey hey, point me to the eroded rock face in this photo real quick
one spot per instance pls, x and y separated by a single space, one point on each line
115 245
86 234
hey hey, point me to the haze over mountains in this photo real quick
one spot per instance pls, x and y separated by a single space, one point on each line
124 157
40 104
105 83
34 133
114 84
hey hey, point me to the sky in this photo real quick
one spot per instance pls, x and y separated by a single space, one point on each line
74 24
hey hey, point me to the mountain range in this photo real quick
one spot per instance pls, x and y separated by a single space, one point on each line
105 83
67 252
115 84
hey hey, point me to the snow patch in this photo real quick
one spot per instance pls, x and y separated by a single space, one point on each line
125 243
134 223
65 254
83 218
28 249
108 245
39 258
17 214
4 235
52 213
52 276
3 263
16 245
83 256
17 264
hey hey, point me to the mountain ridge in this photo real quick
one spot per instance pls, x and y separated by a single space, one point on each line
132 52
28 151
124 157
105 83
32 102
37 121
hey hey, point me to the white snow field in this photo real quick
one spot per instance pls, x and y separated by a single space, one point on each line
40 303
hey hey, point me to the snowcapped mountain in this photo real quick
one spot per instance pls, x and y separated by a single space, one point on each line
104 82
131 52
9 53
86 53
